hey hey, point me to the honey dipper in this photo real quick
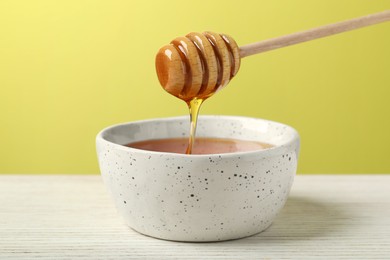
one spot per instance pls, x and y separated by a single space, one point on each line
199 64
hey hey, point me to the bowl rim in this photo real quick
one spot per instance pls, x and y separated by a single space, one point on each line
295 138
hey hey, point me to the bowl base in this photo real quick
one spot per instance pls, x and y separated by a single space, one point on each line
200 240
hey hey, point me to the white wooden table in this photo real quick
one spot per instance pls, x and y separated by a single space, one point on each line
72 217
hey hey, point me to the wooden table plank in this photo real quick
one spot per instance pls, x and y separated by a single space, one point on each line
72 217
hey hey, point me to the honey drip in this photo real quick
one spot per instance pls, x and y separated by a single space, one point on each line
194 107
195 67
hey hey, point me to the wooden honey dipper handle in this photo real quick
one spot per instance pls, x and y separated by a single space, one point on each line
319 32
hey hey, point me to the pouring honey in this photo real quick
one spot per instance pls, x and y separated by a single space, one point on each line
195 67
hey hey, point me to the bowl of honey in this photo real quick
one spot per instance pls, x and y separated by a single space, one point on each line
232 185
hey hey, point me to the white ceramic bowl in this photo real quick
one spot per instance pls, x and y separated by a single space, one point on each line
199 197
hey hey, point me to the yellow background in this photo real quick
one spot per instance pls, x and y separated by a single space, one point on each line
70 68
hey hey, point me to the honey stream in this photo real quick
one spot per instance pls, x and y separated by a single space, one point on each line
195 67
194 107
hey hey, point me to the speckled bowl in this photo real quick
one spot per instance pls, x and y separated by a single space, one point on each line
199 197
